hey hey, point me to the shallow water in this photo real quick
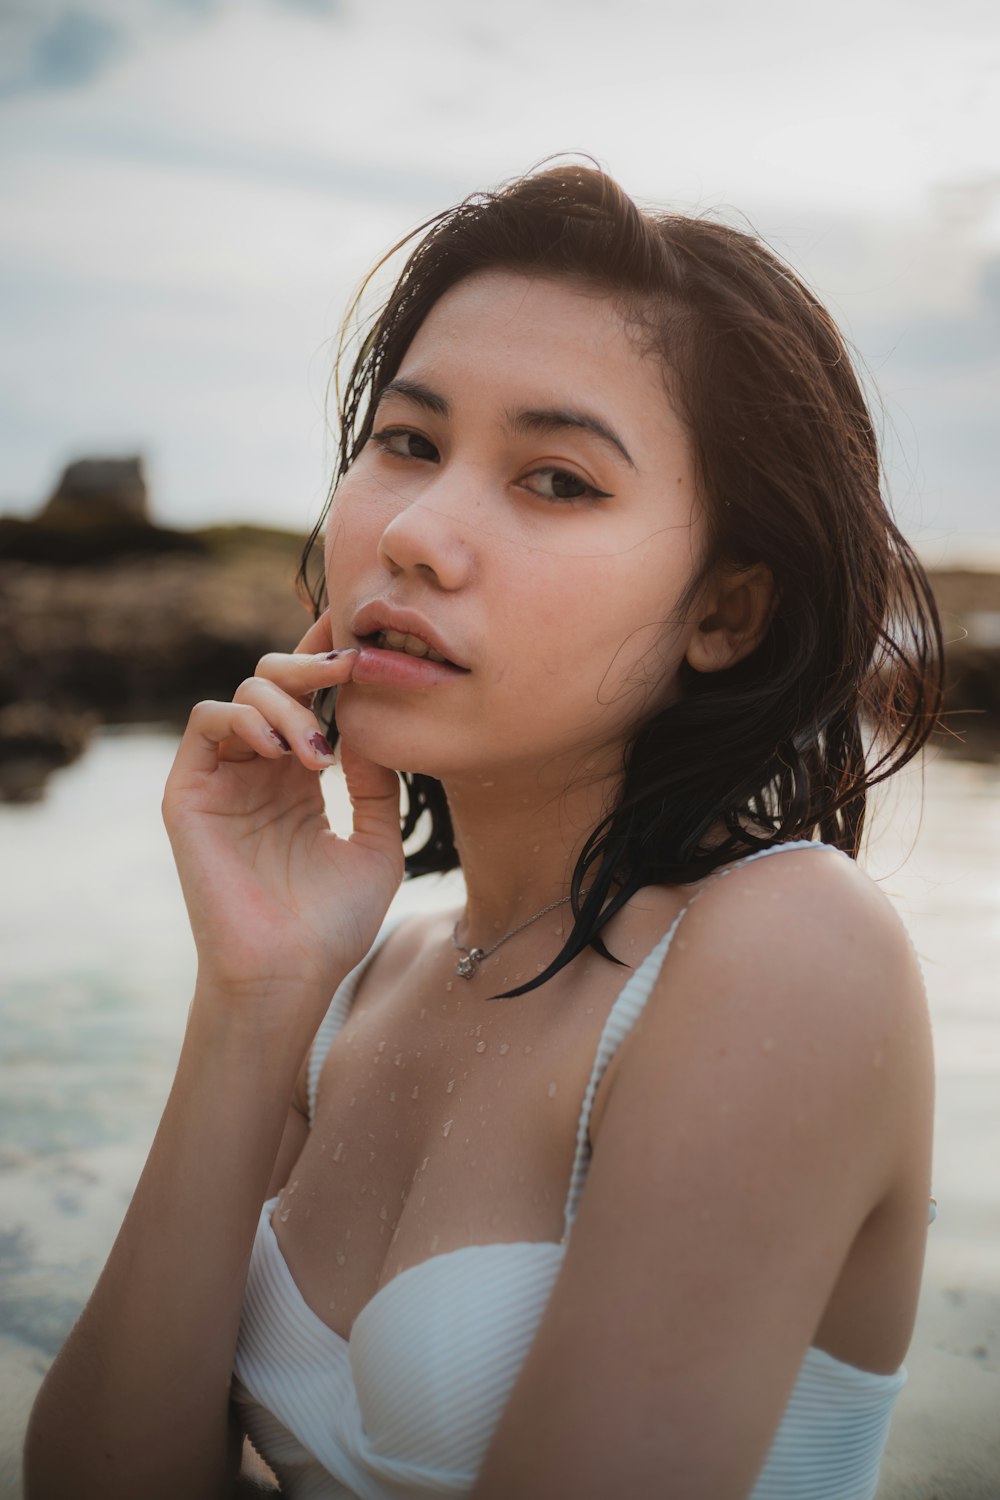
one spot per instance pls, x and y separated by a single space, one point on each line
95 983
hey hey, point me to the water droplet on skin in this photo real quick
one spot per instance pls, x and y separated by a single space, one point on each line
447 1126
294 1185
504 1048
395 1236
590 1010
552 1089
383 1212
527 1049
392 1096
767 1045
419 1054
423 1164
371 1156
364 1188
435 1242
284 1216
323 1147
331 1303
414 1091
450 985
480 1046
339 1151
449 1085
341 1258
398 1059
381 1046
536 848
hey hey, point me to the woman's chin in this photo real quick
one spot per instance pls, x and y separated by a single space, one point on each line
390 740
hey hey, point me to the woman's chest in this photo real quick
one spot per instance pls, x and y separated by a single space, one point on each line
436 1128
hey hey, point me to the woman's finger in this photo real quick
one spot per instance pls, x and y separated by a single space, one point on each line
374 793
240 727
317 638
289 718
300 675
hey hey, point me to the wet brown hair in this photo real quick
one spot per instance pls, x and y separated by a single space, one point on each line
845 686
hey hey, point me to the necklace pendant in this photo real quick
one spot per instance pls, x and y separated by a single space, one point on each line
467 966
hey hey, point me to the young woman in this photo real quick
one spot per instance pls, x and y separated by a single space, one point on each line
615 1178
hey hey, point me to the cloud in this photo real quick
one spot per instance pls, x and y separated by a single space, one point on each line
65 51
44 46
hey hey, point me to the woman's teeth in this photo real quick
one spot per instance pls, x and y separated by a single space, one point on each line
393 640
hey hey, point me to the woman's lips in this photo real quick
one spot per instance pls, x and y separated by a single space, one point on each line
378 667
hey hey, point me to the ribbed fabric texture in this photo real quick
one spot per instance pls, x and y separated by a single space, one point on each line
406 1408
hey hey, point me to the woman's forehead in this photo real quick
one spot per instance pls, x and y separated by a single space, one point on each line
526 340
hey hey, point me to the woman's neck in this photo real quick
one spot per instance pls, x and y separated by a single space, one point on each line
518 842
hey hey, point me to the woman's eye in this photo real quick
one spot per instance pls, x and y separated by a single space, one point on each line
403 443
561 484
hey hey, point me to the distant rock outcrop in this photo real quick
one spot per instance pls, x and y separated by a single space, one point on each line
99 492
98 512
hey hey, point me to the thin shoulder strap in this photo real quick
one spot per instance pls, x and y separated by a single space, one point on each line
629 1006
339 1009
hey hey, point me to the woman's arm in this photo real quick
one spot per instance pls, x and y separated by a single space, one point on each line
137 1400
775 1089
137 1403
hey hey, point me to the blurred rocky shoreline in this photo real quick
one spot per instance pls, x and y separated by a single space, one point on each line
108 618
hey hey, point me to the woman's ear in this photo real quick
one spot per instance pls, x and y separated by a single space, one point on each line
737 611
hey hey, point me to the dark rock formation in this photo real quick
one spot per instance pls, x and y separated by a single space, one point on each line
99 492
98 510
138 639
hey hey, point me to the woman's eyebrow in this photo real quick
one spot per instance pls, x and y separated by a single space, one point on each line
421 394
529 420
553 419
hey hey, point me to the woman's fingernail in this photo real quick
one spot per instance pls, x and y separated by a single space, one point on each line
321 745
281 740
341 651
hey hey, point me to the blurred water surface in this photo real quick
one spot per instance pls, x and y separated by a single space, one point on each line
95 982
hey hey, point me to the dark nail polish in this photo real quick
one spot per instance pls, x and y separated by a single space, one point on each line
281 740
341 651
321 745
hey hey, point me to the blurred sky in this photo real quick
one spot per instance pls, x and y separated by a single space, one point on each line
191 189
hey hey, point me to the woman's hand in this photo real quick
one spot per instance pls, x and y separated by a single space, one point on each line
280 907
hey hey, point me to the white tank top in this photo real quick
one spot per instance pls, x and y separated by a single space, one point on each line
405 1409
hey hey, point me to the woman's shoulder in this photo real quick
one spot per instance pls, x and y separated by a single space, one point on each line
795 956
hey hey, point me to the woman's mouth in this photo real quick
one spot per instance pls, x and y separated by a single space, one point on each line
392 658
410 645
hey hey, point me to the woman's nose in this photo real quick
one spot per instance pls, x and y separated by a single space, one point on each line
430 536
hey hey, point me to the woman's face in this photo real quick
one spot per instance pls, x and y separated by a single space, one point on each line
527 501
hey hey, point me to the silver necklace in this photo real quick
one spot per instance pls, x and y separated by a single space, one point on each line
467 966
